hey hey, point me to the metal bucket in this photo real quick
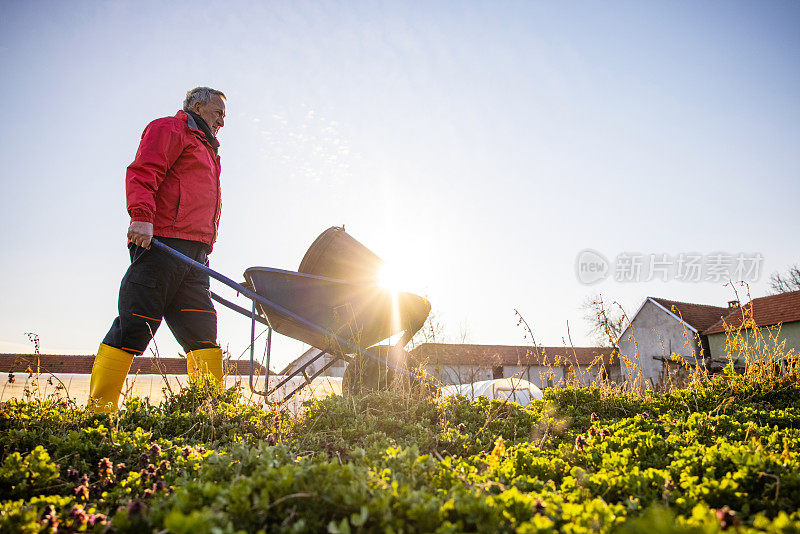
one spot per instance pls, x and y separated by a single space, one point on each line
337 254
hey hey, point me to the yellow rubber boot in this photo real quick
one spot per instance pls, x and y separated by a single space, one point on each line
205 361
111 366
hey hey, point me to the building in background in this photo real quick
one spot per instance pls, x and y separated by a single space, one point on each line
665 339
542 366
766 326
456 363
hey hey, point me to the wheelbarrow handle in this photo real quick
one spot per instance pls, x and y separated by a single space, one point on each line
210 272
255 297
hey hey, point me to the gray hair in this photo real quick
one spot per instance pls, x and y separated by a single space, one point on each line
202 95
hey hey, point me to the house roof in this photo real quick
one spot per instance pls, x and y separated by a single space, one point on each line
464 354
765 311
699 316
82 365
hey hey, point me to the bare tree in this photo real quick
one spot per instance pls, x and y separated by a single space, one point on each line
432 331
606 322
784 283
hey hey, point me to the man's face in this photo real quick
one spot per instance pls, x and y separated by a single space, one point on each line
212 112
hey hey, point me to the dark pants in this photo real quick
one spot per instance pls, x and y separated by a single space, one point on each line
158 286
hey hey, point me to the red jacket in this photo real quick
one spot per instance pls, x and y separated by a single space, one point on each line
174 181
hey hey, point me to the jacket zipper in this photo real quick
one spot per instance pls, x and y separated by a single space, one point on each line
177 207
216 204
215 157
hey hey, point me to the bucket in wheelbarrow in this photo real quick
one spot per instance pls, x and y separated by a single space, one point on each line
337 254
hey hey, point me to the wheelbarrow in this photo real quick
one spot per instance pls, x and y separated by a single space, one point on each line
343 314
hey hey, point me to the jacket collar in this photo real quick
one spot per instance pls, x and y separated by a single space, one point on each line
189 120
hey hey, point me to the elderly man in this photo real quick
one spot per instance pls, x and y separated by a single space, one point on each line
173 193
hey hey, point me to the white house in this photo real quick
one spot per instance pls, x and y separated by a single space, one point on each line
665 338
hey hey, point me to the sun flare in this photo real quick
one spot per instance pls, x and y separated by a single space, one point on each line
403 273
391 278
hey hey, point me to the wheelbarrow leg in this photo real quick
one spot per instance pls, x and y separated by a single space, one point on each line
253 316
309 378
301 370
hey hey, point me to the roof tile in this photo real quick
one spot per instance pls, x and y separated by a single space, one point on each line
765 311
698 316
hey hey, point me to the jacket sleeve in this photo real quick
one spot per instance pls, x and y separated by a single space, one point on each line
160 147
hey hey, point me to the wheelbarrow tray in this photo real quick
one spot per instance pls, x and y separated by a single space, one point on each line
362 314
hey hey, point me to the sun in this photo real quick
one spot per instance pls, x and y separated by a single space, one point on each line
391 278
403 273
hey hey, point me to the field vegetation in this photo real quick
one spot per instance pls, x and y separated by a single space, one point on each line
718 454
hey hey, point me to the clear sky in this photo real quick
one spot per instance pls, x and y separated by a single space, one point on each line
479 146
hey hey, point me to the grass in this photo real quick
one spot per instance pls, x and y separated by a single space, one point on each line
717 452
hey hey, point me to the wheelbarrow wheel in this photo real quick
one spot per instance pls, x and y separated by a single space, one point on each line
365 374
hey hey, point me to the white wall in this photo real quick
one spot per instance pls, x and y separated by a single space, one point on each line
654 334
458 374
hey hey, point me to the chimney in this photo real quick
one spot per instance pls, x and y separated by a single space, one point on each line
733 304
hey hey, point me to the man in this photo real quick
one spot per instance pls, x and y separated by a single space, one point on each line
173 193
